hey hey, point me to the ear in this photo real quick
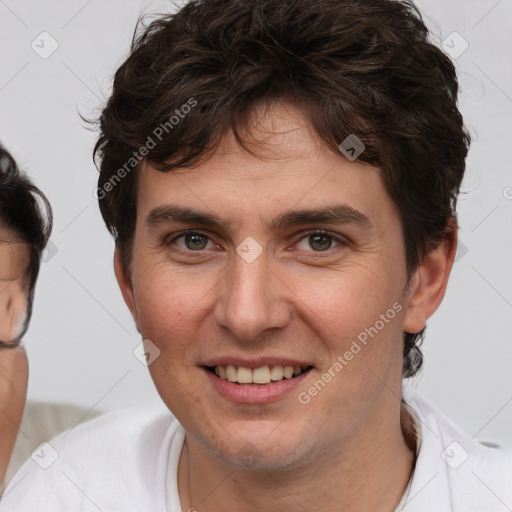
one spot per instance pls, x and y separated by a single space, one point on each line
428 284
125 284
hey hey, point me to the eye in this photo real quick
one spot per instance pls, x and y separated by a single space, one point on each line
193 241
318 241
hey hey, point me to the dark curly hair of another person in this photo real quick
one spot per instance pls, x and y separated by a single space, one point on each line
361 67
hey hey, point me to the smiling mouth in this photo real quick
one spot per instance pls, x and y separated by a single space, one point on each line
261 376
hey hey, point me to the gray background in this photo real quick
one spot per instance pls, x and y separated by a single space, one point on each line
82 338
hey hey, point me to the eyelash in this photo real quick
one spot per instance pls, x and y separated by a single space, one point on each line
341 242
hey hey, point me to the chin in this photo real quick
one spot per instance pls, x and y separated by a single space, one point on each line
258 452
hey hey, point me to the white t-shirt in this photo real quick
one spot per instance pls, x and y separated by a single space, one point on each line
127 461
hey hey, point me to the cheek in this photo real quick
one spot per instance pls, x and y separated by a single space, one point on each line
19 306
344 304
13 307
358 317
169 305
361 328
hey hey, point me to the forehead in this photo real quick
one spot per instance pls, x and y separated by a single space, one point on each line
290 167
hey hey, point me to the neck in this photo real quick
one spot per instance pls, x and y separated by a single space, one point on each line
370 471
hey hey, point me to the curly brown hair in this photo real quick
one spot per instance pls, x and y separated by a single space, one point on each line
363 67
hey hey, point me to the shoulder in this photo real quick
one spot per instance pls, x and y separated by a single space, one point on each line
456 470
115 462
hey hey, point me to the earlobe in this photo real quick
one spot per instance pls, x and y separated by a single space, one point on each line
428 284
125 284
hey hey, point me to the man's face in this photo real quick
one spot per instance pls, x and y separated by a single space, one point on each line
14 256
307 257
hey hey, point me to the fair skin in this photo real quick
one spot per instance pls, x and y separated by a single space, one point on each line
301 302
14 257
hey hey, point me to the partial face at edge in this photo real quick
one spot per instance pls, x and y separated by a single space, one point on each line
260 281
14 258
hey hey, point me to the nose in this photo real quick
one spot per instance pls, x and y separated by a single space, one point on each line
252 300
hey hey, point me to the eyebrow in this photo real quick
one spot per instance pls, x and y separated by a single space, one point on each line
171 213
334 214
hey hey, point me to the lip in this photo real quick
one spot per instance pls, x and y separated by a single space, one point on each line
255 393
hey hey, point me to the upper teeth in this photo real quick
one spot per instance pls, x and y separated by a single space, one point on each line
263 375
